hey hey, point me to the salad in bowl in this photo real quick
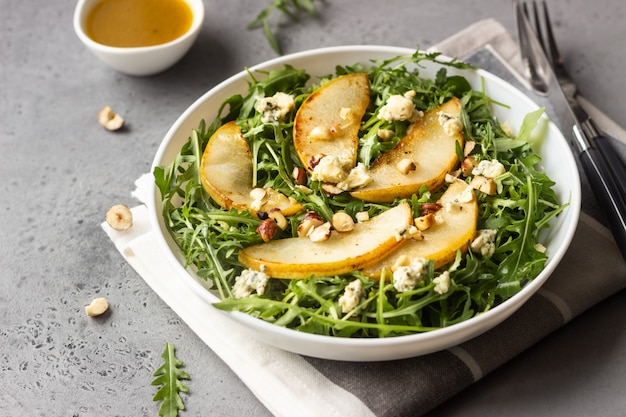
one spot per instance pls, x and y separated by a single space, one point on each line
364 196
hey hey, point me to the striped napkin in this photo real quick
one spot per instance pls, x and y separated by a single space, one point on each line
293 385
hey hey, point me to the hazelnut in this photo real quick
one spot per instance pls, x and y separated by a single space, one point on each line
279 218
331 189
320 133
299 174
362 216
97 307
109 119
469 147
310 220
258 193
467 166
267 229
483 184
425 222
403 260
430 208
315 160
119 217
405 166
320 233
342 222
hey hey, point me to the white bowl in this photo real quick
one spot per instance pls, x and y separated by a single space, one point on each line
558 163
140 61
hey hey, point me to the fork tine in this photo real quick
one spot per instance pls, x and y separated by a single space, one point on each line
535 70
554 51
538 30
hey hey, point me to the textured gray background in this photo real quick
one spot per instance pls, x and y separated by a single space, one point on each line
60 171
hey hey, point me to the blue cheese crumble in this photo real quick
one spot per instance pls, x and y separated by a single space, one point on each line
442 283
351 298
489 168
406 277
400 108
249 281
484 242
274 109
451 125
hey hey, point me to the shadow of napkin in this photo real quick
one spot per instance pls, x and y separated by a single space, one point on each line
293 385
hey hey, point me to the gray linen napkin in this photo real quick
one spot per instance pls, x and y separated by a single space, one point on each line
294 385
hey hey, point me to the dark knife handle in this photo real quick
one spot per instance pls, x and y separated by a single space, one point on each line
607 193
615 163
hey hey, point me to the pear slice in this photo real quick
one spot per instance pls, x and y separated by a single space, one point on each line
300 257
456 227
430 150
226 173
328 121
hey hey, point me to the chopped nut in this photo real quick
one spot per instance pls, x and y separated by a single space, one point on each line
315 160
279 218
405 166
267 229
320 233
345 113
109 119
506 127
299 175
425 222
310 220
362 216
403 260
467 166
305 190
258 193
483 184
342 222
385 134
97 307
469 147
320 133
430 208
119 217
331 189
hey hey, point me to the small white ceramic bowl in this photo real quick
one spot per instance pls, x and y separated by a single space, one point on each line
140 61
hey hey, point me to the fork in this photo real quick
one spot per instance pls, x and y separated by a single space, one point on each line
547 76
570 90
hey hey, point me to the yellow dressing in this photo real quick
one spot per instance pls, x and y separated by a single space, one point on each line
134 23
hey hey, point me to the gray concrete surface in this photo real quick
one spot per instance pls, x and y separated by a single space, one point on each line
60 171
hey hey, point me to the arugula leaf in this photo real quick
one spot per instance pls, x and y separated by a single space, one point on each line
290 8
169 376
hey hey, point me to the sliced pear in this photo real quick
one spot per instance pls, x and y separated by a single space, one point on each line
456 227
328 121
300 257
427 149
226 172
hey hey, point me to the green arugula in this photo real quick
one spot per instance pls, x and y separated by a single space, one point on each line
211 237
290 8
169 376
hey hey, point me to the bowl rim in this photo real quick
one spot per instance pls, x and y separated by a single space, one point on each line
504 310
83 7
